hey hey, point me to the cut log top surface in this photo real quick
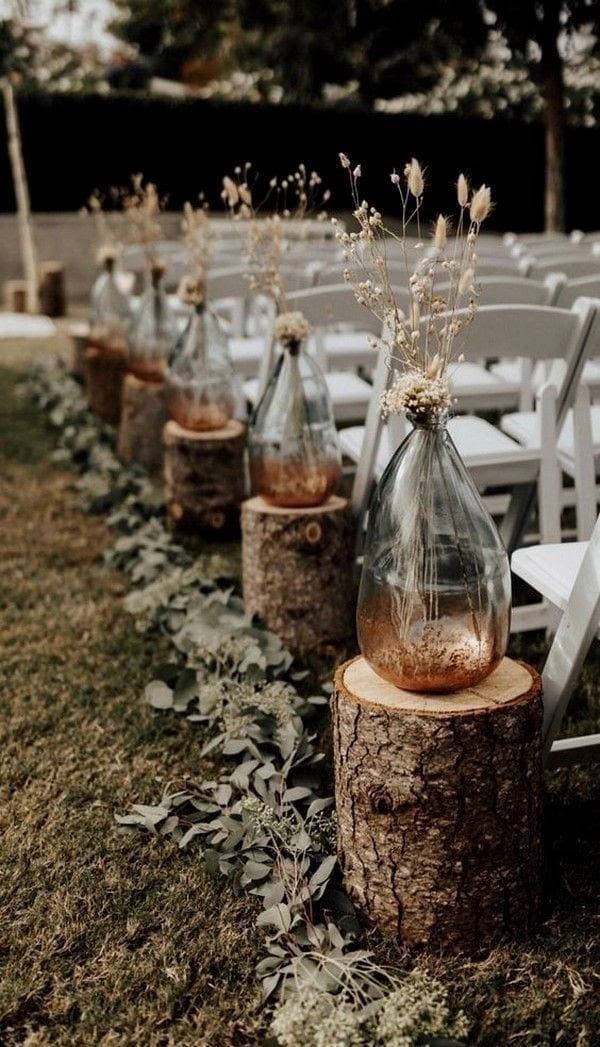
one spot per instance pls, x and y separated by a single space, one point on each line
231 431
257 504
509 684
134 382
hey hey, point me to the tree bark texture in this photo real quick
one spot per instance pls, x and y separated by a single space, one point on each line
297 567
205 478
438 801
143 416
553 92
104 374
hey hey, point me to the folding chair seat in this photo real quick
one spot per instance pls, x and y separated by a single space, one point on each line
350 395
568 576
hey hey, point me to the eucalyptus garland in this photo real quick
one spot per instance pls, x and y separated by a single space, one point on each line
264 820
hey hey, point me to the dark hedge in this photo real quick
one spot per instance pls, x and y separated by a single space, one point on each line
76 143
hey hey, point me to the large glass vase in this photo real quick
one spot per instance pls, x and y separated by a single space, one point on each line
295 458
434 602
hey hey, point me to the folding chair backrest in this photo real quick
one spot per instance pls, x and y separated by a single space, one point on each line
580 287
333 304
571 265
522 331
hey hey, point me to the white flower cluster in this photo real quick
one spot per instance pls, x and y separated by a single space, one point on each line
291 328
191 290
417 1012
416 393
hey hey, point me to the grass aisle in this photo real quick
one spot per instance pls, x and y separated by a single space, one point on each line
104 938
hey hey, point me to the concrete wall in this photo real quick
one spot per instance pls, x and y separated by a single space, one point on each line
67 238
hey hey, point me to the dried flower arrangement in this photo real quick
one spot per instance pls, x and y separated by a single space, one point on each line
198 237
434 601
293 200
442 292
142 206
109 231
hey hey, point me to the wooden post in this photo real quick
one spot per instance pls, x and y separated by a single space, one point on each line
104 372
438 801
53 298
297 571
204 477
19 174
143 415
15 296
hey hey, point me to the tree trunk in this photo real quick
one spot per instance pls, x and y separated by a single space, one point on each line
26 235
297 571
554 120
204 478
143 416
438 803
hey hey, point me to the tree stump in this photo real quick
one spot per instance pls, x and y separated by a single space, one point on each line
438 802
15 296
79 333
104 372
204 477
53 297
143 415
297 567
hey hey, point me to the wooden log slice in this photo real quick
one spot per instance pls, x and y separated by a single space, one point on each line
205 477
143 415
297 567
104 373
438 802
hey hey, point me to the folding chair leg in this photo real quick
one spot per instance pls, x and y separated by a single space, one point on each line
572 641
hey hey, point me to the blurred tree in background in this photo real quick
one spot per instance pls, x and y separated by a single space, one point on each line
548 37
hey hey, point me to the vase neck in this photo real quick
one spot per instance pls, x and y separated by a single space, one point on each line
428 422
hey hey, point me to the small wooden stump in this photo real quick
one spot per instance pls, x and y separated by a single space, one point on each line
104 372
53 297
15 296
297 571
143 415
79 333
204 477
438 802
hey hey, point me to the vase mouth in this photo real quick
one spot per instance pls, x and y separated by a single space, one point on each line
428 419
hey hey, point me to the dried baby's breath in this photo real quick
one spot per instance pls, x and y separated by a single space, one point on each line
291 328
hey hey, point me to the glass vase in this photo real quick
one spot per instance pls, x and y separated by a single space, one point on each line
110 312
199 378
295 459
434 602
154 331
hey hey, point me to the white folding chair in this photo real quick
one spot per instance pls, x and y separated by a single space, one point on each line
328 308
578 435
568 576
570 265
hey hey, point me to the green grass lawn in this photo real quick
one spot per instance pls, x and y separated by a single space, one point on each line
122 939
